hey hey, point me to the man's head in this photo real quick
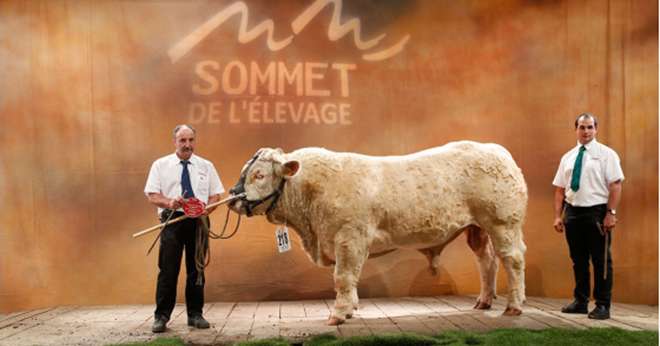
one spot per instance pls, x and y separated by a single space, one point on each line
586 127
184 141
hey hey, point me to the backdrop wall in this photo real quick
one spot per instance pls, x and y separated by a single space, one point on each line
92 89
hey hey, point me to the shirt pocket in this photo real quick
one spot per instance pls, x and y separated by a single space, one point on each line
592 168
203 183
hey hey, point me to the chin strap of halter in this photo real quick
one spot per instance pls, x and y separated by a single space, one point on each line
275 196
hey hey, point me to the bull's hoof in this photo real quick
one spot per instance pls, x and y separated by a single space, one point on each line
481 305
334 321
349 316
510 311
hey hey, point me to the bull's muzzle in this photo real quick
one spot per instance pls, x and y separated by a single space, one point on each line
236 190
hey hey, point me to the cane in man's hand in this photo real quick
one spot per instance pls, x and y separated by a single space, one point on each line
605 232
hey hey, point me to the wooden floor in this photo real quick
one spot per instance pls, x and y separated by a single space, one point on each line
297 320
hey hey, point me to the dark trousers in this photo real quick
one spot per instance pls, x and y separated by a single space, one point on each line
585 242
173 240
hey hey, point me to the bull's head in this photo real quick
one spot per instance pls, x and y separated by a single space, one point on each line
262 181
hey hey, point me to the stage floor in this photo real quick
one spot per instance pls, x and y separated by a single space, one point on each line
297 320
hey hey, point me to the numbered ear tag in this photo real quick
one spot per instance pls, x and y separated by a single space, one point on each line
282 239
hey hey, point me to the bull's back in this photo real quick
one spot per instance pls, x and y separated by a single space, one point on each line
455 170
428 196
437 187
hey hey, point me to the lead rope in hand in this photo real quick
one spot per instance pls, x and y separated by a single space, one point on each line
202 249
224 228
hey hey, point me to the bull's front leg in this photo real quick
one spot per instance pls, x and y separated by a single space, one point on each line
480 243
351 251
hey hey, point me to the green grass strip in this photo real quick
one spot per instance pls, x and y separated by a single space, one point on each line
156 342
554 336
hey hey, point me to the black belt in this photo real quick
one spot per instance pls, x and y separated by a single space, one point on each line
597 211
593 207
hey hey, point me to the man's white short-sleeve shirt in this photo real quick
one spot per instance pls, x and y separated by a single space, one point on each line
165 178
600 168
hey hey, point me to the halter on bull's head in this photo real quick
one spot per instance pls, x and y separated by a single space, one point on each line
262 182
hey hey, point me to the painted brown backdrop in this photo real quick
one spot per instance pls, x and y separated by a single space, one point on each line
90 91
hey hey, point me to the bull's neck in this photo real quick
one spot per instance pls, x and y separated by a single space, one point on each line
291 208
295 209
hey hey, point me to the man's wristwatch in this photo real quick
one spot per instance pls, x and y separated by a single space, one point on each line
612 211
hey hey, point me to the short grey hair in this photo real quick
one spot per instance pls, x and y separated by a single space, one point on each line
583 115
179 127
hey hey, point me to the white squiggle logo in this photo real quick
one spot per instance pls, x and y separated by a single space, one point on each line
336 31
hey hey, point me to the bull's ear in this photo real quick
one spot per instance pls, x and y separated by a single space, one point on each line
258 152
290 168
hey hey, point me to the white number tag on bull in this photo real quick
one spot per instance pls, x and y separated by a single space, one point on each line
282 239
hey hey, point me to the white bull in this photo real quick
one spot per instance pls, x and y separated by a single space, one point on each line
345 206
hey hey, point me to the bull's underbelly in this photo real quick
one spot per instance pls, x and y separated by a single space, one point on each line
384 240
421 238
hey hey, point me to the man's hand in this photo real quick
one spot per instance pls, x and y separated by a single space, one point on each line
559 206
212 199
559 225
175 203
609 222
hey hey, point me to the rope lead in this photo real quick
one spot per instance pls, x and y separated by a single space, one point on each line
202 249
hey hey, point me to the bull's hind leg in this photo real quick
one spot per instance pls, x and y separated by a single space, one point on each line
480 243
350 255
510 248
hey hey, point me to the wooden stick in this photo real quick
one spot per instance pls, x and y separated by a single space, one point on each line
605 233
183 217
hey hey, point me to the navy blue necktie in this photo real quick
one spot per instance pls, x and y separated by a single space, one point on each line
186 186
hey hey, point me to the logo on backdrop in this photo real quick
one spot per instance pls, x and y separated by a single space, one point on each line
306 82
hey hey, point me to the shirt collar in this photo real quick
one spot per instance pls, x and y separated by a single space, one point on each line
589 146
592 148
175 160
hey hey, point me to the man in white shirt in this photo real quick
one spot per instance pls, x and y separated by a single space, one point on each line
172 179
587 193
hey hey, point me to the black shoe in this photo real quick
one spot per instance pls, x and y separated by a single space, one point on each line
159 325
575 307
198 322
600 312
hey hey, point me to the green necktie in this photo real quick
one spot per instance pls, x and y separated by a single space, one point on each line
577 170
